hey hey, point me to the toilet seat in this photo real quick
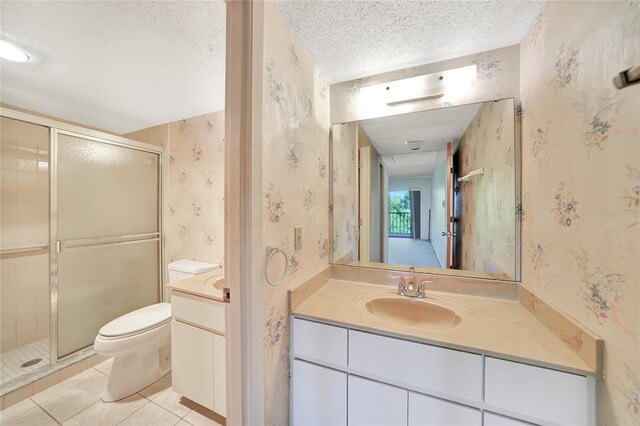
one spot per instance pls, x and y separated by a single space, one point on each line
137 322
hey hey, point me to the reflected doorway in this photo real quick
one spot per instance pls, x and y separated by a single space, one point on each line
409 230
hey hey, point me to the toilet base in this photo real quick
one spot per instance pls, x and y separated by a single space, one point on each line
133 372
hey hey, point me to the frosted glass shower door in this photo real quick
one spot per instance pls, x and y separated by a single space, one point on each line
106 230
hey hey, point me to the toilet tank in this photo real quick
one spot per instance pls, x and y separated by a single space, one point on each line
183 269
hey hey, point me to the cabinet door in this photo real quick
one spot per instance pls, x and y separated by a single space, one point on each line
192 363
539 393
219 375
428 411
318 395
491 419
374 403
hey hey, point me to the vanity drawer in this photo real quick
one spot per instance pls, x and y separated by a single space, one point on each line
326 344
199 311
429 369
539 393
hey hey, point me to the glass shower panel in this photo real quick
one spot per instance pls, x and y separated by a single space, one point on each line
105 190
96 285
107 260
24 243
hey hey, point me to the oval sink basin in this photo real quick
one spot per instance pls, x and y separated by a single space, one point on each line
413 312
218 282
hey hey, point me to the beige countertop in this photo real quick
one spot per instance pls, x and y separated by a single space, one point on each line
202 285
494 327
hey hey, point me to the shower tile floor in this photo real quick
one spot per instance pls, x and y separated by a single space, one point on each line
11 360
77 401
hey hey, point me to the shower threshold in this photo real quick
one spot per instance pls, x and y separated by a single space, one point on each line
13 376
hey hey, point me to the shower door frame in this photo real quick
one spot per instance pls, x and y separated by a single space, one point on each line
59 127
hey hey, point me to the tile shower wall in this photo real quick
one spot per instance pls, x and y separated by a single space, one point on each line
24 222
295 155
581 183
488 215
194 226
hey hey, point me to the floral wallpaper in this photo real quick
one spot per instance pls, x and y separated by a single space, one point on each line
497 77
581 182
194 221
488 223
344 171
295 178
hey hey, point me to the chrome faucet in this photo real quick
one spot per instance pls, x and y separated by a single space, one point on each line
409 288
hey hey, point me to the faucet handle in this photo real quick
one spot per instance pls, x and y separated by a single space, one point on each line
402 288
420 290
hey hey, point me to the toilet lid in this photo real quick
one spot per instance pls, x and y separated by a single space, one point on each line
138 321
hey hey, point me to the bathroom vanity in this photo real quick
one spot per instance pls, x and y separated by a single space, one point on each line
198 340
493 365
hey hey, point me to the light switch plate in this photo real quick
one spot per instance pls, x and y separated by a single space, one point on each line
297 237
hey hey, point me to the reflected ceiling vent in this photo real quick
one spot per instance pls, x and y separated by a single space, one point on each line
415 159
413 145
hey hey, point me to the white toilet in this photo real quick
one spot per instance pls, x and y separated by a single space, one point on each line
140 341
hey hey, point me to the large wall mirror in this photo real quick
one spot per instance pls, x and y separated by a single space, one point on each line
431 191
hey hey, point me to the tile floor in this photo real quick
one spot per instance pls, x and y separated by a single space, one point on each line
77 401
11 360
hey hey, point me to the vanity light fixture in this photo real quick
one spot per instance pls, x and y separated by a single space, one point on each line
451 83
13 53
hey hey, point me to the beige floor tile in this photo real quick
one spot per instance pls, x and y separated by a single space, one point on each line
15 410
151 415
200 416
174 402
33 417
105 366
183 423
108 413
157 388
64 385
76 399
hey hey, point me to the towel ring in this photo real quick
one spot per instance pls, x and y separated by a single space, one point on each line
272 251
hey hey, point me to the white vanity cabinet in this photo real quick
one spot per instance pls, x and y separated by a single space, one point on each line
344 376
374 403
198 350
319 395
429 411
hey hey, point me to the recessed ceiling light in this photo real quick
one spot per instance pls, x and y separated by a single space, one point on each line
12 53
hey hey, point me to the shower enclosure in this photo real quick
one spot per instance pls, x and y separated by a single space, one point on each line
80 237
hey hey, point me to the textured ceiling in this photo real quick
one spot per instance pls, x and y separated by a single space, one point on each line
435 128
116 65
354 39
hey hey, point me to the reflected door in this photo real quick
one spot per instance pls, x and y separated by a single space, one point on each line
106 234
449 215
